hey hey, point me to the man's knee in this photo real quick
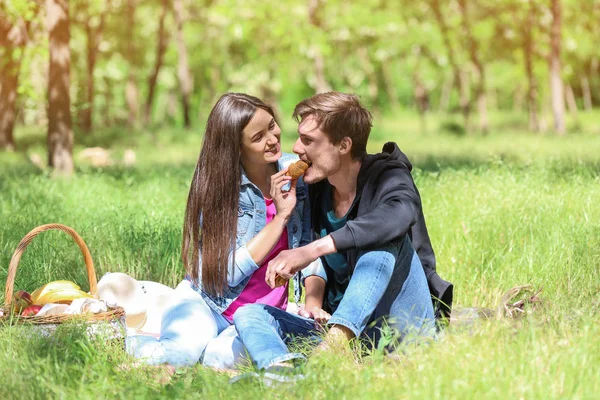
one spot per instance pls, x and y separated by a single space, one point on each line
384 254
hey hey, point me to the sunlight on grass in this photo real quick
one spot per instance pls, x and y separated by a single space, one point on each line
503 210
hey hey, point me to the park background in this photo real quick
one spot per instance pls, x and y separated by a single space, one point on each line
102 110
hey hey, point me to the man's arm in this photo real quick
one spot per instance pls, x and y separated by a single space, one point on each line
397 210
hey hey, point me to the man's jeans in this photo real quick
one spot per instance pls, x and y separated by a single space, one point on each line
387 285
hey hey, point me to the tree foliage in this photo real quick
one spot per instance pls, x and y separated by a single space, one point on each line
457 56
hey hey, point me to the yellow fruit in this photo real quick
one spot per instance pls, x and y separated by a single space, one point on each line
54 285
61 296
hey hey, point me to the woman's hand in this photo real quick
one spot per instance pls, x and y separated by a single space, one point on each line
317 313
284 201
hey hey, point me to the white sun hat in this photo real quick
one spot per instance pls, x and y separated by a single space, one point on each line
143 301
158 297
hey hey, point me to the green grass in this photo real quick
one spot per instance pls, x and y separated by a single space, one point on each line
506 209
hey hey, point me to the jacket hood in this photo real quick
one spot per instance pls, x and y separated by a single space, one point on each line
374 164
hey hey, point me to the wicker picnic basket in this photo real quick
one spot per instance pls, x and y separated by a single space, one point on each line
114 316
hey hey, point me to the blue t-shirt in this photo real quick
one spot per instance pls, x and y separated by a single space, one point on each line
338 274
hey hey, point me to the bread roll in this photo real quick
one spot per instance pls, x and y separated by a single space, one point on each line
297 169
280 280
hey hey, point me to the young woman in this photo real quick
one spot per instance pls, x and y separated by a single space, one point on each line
242 210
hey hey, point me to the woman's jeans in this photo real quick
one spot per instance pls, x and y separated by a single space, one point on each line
388 285
188 325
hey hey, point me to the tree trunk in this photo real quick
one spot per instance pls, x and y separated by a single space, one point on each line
60 134
460 77
38 77
369 71
464 98
445 94
587 93
160 52
480 88
94 37
131 89
571 103
482 108
594 74
532 106
321 84
422 100
528 54
9 81
131 96
420 93
172 106
183 70
86 112
556 83
546 111
390 88
480 95
11 38
108 100
268 93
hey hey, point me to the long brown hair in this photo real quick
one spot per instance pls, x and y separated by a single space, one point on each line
214 192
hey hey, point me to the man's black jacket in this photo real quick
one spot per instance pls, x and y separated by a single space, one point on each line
387 207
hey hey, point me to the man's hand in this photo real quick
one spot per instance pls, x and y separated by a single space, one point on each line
286 264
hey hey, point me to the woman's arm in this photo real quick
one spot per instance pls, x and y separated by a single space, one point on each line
313 307
261 245
249 256
315 291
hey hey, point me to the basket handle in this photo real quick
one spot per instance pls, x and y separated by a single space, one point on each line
14 261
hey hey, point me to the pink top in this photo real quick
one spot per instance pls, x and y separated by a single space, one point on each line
257 290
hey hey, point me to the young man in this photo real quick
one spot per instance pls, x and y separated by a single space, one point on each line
372 240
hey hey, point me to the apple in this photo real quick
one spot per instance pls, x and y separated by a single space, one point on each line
22 300
31 310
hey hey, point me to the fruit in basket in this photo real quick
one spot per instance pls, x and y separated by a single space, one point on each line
31 310
63 296
21 300
52 286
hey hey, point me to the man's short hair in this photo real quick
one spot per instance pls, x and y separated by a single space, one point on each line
339 115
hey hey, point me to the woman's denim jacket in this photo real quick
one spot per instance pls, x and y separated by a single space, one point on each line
251 220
